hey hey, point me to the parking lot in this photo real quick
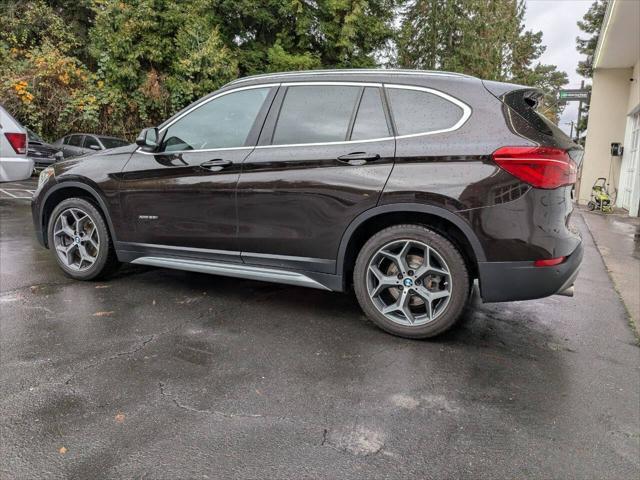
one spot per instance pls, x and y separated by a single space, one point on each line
18 190
166 374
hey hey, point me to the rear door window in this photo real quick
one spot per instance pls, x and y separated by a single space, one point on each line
370 121
417 111
75 140
315 114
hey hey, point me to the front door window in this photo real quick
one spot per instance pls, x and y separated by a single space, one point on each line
224 122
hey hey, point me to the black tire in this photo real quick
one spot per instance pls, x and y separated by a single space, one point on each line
460 290
591 206
106 260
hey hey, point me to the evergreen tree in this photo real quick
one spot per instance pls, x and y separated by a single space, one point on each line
113 66
591 24
273 35
78 18
484 38
157 56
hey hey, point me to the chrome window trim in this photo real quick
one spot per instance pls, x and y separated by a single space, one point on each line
332 82
195 151
466 113
210 99
343 142
198 105
466 109
354 71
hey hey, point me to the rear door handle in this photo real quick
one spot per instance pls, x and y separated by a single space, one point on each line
358 158
216 164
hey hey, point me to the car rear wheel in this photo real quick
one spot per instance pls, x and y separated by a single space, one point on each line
80 240
411 281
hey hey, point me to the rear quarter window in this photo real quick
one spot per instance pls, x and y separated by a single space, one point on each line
417 111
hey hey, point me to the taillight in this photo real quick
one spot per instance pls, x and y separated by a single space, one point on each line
18 141
549 262
540 167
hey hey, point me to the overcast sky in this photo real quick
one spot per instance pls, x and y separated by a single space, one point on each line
557 21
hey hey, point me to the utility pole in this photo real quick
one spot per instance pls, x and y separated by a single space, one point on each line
579 116
572 123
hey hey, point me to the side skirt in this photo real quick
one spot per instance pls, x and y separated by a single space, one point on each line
249 272
287 270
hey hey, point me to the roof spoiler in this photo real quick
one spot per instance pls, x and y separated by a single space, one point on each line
524 101
500 89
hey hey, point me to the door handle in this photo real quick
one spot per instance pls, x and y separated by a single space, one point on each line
216 164
358 158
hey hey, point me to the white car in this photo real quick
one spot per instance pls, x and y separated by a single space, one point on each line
14 163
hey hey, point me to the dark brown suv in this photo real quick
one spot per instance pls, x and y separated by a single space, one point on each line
407 185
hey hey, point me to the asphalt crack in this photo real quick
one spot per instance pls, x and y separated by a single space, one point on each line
112 357
189 408
325 432
358 441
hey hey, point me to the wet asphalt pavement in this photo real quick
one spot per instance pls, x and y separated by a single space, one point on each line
165 374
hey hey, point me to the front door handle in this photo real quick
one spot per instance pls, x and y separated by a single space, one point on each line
358 158
216 164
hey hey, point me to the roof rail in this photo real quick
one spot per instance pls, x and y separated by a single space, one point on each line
353 71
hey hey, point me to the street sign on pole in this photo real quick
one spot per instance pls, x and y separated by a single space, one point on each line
574 95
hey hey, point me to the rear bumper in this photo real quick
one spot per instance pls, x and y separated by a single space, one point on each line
510 281
13 169
43 162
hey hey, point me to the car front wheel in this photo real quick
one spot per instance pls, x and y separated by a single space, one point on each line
411 281
79 238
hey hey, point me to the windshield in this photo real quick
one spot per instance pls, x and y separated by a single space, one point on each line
34 137
109 142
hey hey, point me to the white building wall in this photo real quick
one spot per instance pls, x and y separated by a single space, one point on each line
629 185
607 124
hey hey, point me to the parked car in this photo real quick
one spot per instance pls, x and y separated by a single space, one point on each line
14 163
82 143
42 153
407 185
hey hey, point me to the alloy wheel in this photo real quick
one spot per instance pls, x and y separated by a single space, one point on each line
409 282
76 239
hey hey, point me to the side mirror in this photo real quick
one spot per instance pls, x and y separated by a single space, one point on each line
94 147
149 139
